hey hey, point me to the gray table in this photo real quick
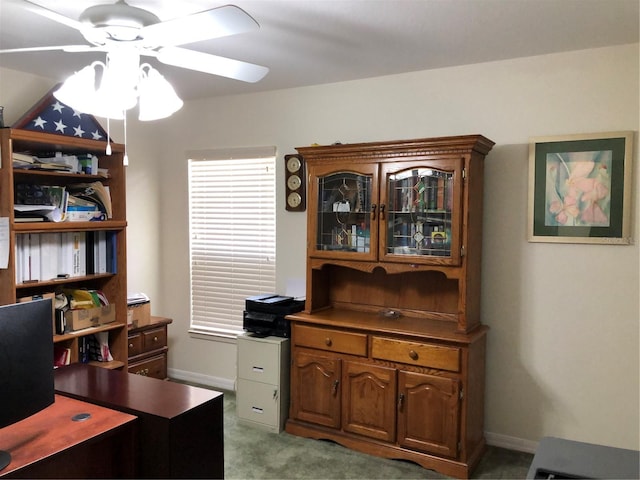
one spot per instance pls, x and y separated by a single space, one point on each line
559 458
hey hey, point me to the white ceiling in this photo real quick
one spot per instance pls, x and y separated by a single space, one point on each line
309 42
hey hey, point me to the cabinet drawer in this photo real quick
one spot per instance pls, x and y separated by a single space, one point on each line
135 345
155 367
258 402
258 361
330 340
416 353
154 339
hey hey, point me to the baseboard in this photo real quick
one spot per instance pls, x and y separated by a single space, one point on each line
200 379
511 443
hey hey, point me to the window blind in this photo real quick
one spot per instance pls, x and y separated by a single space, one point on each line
232 235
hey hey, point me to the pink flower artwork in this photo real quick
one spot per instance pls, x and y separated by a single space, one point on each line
578 189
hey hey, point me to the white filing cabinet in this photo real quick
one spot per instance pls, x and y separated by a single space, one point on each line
262 391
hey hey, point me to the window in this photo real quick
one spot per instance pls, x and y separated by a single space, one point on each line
232 235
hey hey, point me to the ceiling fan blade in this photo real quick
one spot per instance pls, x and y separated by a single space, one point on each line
50 14
64 48
214 23
213 64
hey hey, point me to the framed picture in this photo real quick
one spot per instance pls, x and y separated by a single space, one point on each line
580 188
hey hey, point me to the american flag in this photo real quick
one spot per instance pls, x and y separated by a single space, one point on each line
52 116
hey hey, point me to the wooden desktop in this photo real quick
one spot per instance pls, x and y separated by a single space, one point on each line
180 427
51 444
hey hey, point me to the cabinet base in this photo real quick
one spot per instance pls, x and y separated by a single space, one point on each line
445 466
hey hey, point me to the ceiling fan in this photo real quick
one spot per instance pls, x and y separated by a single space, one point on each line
117 26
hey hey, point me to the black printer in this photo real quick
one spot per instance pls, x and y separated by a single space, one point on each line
264 314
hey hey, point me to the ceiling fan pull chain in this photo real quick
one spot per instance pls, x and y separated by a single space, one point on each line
108 150
125 160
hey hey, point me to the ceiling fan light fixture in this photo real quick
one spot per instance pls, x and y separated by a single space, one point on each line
117 91
78 91
123 84
157 97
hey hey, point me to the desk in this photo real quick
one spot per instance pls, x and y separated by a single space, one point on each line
180 428
50 444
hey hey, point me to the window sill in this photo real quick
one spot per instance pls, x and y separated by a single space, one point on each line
215 336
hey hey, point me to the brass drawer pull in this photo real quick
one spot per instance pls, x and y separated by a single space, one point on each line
131 345
413 354
155 339
328 342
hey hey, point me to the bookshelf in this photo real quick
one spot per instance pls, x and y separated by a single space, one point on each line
113 282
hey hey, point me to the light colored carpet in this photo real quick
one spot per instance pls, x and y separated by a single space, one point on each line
251 453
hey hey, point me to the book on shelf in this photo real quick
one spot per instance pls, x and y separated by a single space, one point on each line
72 254
58 161
55 204
49 246
27 258
96 251
95 192
79 254
61 356
83 210
45 256
22 159
84 163
19 217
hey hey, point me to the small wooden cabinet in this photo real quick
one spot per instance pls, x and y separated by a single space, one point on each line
148 348
388 356
262 395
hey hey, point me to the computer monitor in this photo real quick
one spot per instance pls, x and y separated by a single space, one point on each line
26 363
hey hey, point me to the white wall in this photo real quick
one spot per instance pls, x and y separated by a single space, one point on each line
563 356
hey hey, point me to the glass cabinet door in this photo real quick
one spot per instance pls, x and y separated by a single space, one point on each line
345 223
422 213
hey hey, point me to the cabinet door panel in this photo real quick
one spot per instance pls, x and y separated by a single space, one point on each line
369 394
428 413
423 220
344 211
315 386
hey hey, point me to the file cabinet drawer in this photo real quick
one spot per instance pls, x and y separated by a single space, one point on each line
258 361
258 402
416 353
330 340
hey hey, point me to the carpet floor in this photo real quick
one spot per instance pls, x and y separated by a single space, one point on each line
251 453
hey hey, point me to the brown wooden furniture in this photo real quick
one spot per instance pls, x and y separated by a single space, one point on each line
50 444
180 427
388 356
114 285
148 348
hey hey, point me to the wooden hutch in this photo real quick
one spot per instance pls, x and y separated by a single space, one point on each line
388 357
